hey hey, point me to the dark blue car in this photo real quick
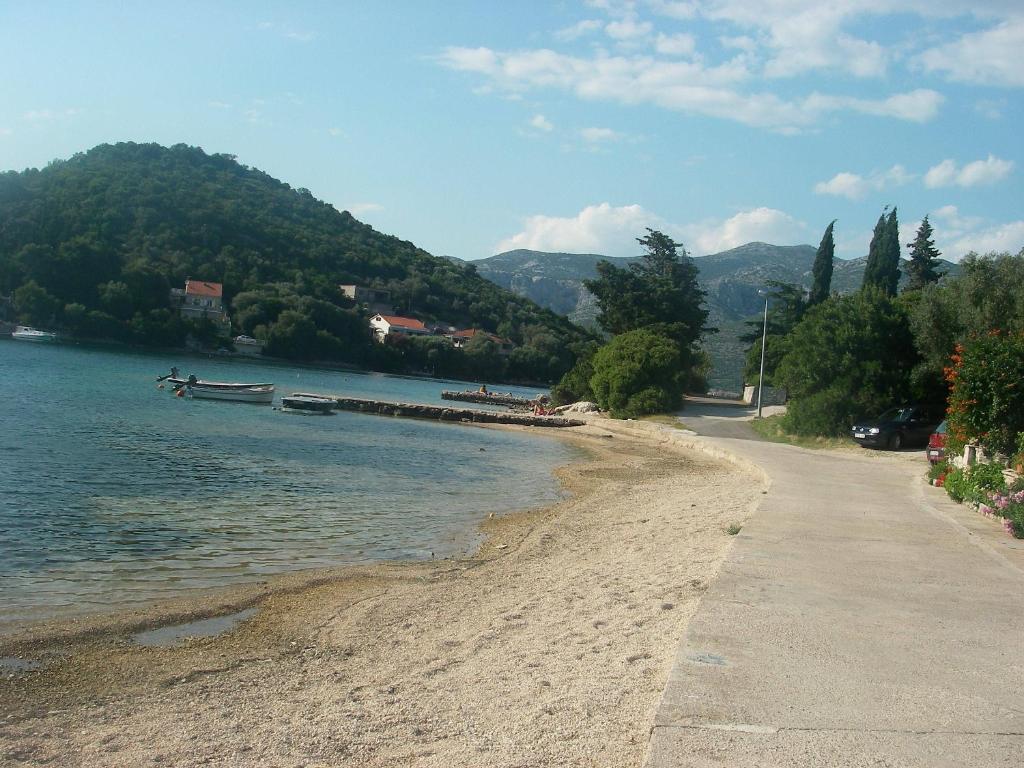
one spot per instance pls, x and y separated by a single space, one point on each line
896 428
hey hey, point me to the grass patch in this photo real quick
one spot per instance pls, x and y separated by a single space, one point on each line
666 419
770 428
733 529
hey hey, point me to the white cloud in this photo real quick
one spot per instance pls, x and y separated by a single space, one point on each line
980 172
47 115
219 104
989 57
603 228
579 29
301 37
541 123
675 9
336 132
759 224
1003 237
597 135
685 86
855 187
628 29
676 45
6 132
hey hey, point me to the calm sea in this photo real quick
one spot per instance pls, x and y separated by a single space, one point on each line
113 491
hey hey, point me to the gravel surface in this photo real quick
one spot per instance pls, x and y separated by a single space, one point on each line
548 647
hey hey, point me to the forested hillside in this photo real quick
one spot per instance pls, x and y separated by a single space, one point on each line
93 244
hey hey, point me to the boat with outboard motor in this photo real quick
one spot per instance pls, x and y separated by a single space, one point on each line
222 390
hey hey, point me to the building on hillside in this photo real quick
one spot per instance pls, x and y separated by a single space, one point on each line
201 300
247 345
375 299
388 327
461 338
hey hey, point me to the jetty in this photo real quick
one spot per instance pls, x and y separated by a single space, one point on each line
444 413
493 398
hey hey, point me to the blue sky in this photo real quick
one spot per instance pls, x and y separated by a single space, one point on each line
472 128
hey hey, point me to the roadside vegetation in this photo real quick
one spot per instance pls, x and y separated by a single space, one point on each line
654 312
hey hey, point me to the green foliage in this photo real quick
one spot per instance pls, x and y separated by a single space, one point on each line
988 295
956 484
986 402
850 357
637 373
937 470
787 305
659 290
575 385
34 305
924 258
113 229
883 268
821 272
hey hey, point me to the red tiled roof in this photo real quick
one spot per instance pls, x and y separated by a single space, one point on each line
404 322
469 333
202 288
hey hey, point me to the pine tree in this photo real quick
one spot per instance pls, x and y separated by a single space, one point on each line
924 258
822 271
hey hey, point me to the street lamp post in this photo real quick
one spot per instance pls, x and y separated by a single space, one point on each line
764 340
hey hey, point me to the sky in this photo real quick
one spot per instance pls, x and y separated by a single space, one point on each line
472 128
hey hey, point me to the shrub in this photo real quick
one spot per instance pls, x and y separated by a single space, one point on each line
636 373
986 402
849 357
575 385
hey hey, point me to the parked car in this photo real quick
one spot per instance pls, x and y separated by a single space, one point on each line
937 444
898 427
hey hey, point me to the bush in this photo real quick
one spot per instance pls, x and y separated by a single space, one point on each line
986 402
575 385
637 373
850 357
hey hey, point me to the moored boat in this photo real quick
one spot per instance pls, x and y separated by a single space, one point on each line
222 390
26 333
309 403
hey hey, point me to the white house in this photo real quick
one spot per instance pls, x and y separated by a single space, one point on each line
391 326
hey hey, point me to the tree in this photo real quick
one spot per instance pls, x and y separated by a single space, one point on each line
658 291
787 306
822 270
34 305
883 267
638 372
924 258
850 357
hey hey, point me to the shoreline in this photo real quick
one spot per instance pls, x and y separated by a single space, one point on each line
548 645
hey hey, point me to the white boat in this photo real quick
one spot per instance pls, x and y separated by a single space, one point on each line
222 390
300 401
25 333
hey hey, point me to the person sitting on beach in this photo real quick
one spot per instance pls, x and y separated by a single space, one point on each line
483 389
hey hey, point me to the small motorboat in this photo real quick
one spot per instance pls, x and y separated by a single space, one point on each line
308 403
26 333
222 390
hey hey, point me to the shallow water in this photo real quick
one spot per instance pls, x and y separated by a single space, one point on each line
113 491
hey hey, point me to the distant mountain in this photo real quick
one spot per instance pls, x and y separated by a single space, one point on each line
731 279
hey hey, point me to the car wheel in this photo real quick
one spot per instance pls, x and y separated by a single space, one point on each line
895 442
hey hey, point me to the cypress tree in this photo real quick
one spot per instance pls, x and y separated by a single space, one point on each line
873 273
924 258
891 254
822 271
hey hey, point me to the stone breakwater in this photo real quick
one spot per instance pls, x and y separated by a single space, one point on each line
494 398
443 413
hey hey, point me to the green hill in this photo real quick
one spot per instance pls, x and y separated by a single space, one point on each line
94 244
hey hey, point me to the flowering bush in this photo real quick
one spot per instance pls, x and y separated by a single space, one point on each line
986 402
1010 507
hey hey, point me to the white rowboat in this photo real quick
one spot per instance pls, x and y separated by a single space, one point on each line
220 390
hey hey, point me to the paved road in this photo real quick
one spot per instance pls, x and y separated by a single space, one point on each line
861 619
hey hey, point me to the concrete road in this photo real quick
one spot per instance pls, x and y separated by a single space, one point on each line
862 619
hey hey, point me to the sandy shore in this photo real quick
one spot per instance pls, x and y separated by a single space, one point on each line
548 647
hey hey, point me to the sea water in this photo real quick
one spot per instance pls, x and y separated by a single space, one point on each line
113 491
